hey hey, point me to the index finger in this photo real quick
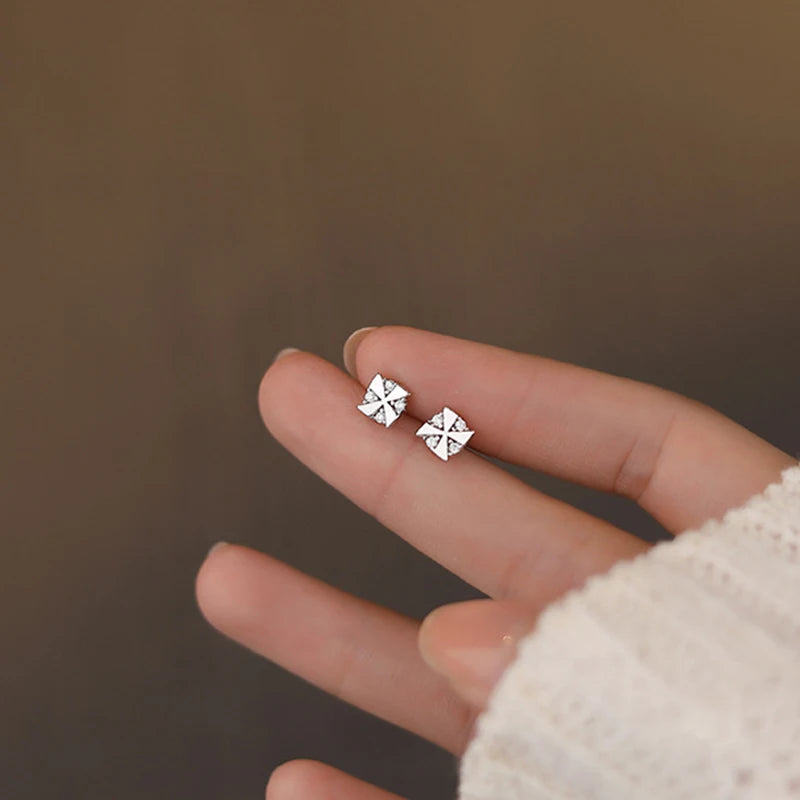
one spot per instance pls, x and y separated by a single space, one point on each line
680 460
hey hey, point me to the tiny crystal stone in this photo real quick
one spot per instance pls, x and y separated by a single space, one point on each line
432 441
400 405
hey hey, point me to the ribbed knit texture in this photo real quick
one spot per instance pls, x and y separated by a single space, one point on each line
675 675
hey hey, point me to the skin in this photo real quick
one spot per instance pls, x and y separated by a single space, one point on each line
681 461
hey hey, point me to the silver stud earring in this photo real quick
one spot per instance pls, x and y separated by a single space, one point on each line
384 401
445 433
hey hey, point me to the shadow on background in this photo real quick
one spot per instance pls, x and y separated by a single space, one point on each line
188 187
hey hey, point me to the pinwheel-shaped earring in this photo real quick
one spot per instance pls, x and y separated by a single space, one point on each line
445 433
384 401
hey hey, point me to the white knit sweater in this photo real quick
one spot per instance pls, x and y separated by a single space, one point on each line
675 675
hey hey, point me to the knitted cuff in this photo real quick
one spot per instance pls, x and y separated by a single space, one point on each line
674 675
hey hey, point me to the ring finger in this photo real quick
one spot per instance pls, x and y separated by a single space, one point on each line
355 650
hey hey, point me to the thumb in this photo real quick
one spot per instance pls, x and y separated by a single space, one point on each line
472 643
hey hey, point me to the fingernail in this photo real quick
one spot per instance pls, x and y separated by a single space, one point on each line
351 346
285 352
472 643
215 547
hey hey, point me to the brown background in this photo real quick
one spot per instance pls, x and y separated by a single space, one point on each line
189 186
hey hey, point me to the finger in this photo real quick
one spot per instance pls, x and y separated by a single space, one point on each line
682 461
472 643
469 515
355 650
311 780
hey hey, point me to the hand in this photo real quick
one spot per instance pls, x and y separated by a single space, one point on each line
681 461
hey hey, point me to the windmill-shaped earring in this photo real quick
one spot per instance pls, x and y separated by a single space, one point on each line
445 433
384 401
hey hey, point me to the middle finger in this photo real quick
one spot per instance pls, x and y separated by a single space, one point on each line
475 519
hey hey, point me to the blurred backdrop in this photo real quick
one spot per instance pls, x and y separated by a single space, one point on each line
189 186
